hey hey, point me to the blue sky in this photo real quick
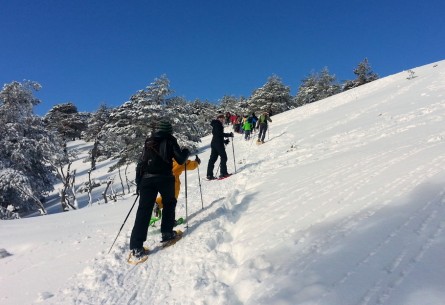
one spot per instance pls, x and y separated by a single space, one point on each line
92 52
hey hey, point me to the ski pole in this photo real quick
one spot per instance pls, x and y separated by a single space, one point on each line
200 190
123 223
233 150
186 212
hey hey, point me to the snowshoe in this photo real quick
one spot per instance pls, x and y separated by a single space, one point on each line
169 239
224 176
153 221
179 221
138 256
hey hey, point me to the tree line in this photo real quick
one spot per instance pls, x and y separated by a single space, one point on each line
34 156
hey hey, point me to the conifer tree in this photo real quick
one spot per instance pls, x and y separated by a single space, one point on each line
97 120
273 96
67 121
316 86
130 124
233 105
364 74
327 84
26 173
203 112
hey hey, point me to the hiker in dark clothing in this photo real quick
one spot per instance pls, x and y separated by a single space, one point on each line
254 120
154 175
218 149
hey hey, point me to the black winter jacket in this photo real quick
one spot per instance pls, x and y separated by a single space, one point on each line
157 158
218 132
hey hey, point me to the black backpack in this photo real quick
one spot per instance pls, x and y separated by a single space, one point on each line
153 156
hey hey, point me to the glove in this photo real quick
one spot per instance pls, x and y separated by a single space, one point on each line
231 134
198 160
226 141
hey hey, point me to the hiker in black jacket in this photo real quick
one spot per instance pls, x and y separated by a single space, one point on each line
154 175
218 149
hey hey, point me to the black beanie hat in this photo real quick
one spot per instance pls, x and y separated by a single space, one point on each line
165 127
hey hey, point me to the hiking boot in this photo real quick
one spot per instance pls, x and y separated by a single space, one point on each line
169 236
137 256
224 176
211 177
139 253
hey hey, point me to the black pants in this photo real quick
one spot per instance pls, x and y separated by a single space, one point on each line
262 132
149 189
218 150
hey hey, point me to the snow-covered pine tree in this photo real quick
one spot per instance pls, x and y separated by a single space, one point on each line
67 121
273 96
364 75
233 105
316 86
203 113
184 122
130 124
97 120
27 147
123 136
307 93
327 84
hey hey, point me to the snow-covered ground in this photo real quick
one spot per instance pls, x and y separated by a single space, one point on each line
344 204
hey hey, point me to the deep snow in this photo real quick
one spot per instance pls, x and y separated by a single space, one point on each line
344 204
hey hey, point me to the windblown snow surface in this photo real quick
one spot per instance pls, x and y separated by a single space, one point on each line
343 204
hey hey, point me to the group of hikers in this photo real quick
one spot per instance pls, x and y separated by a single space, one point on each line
158 171
249 124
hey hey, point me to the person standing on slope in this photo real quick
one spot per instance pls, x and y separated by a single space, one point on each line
247 127
217 147
262 125
154 175
254 121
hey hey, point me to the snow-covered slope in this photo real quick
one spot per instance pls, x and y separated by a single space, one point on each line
344 204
